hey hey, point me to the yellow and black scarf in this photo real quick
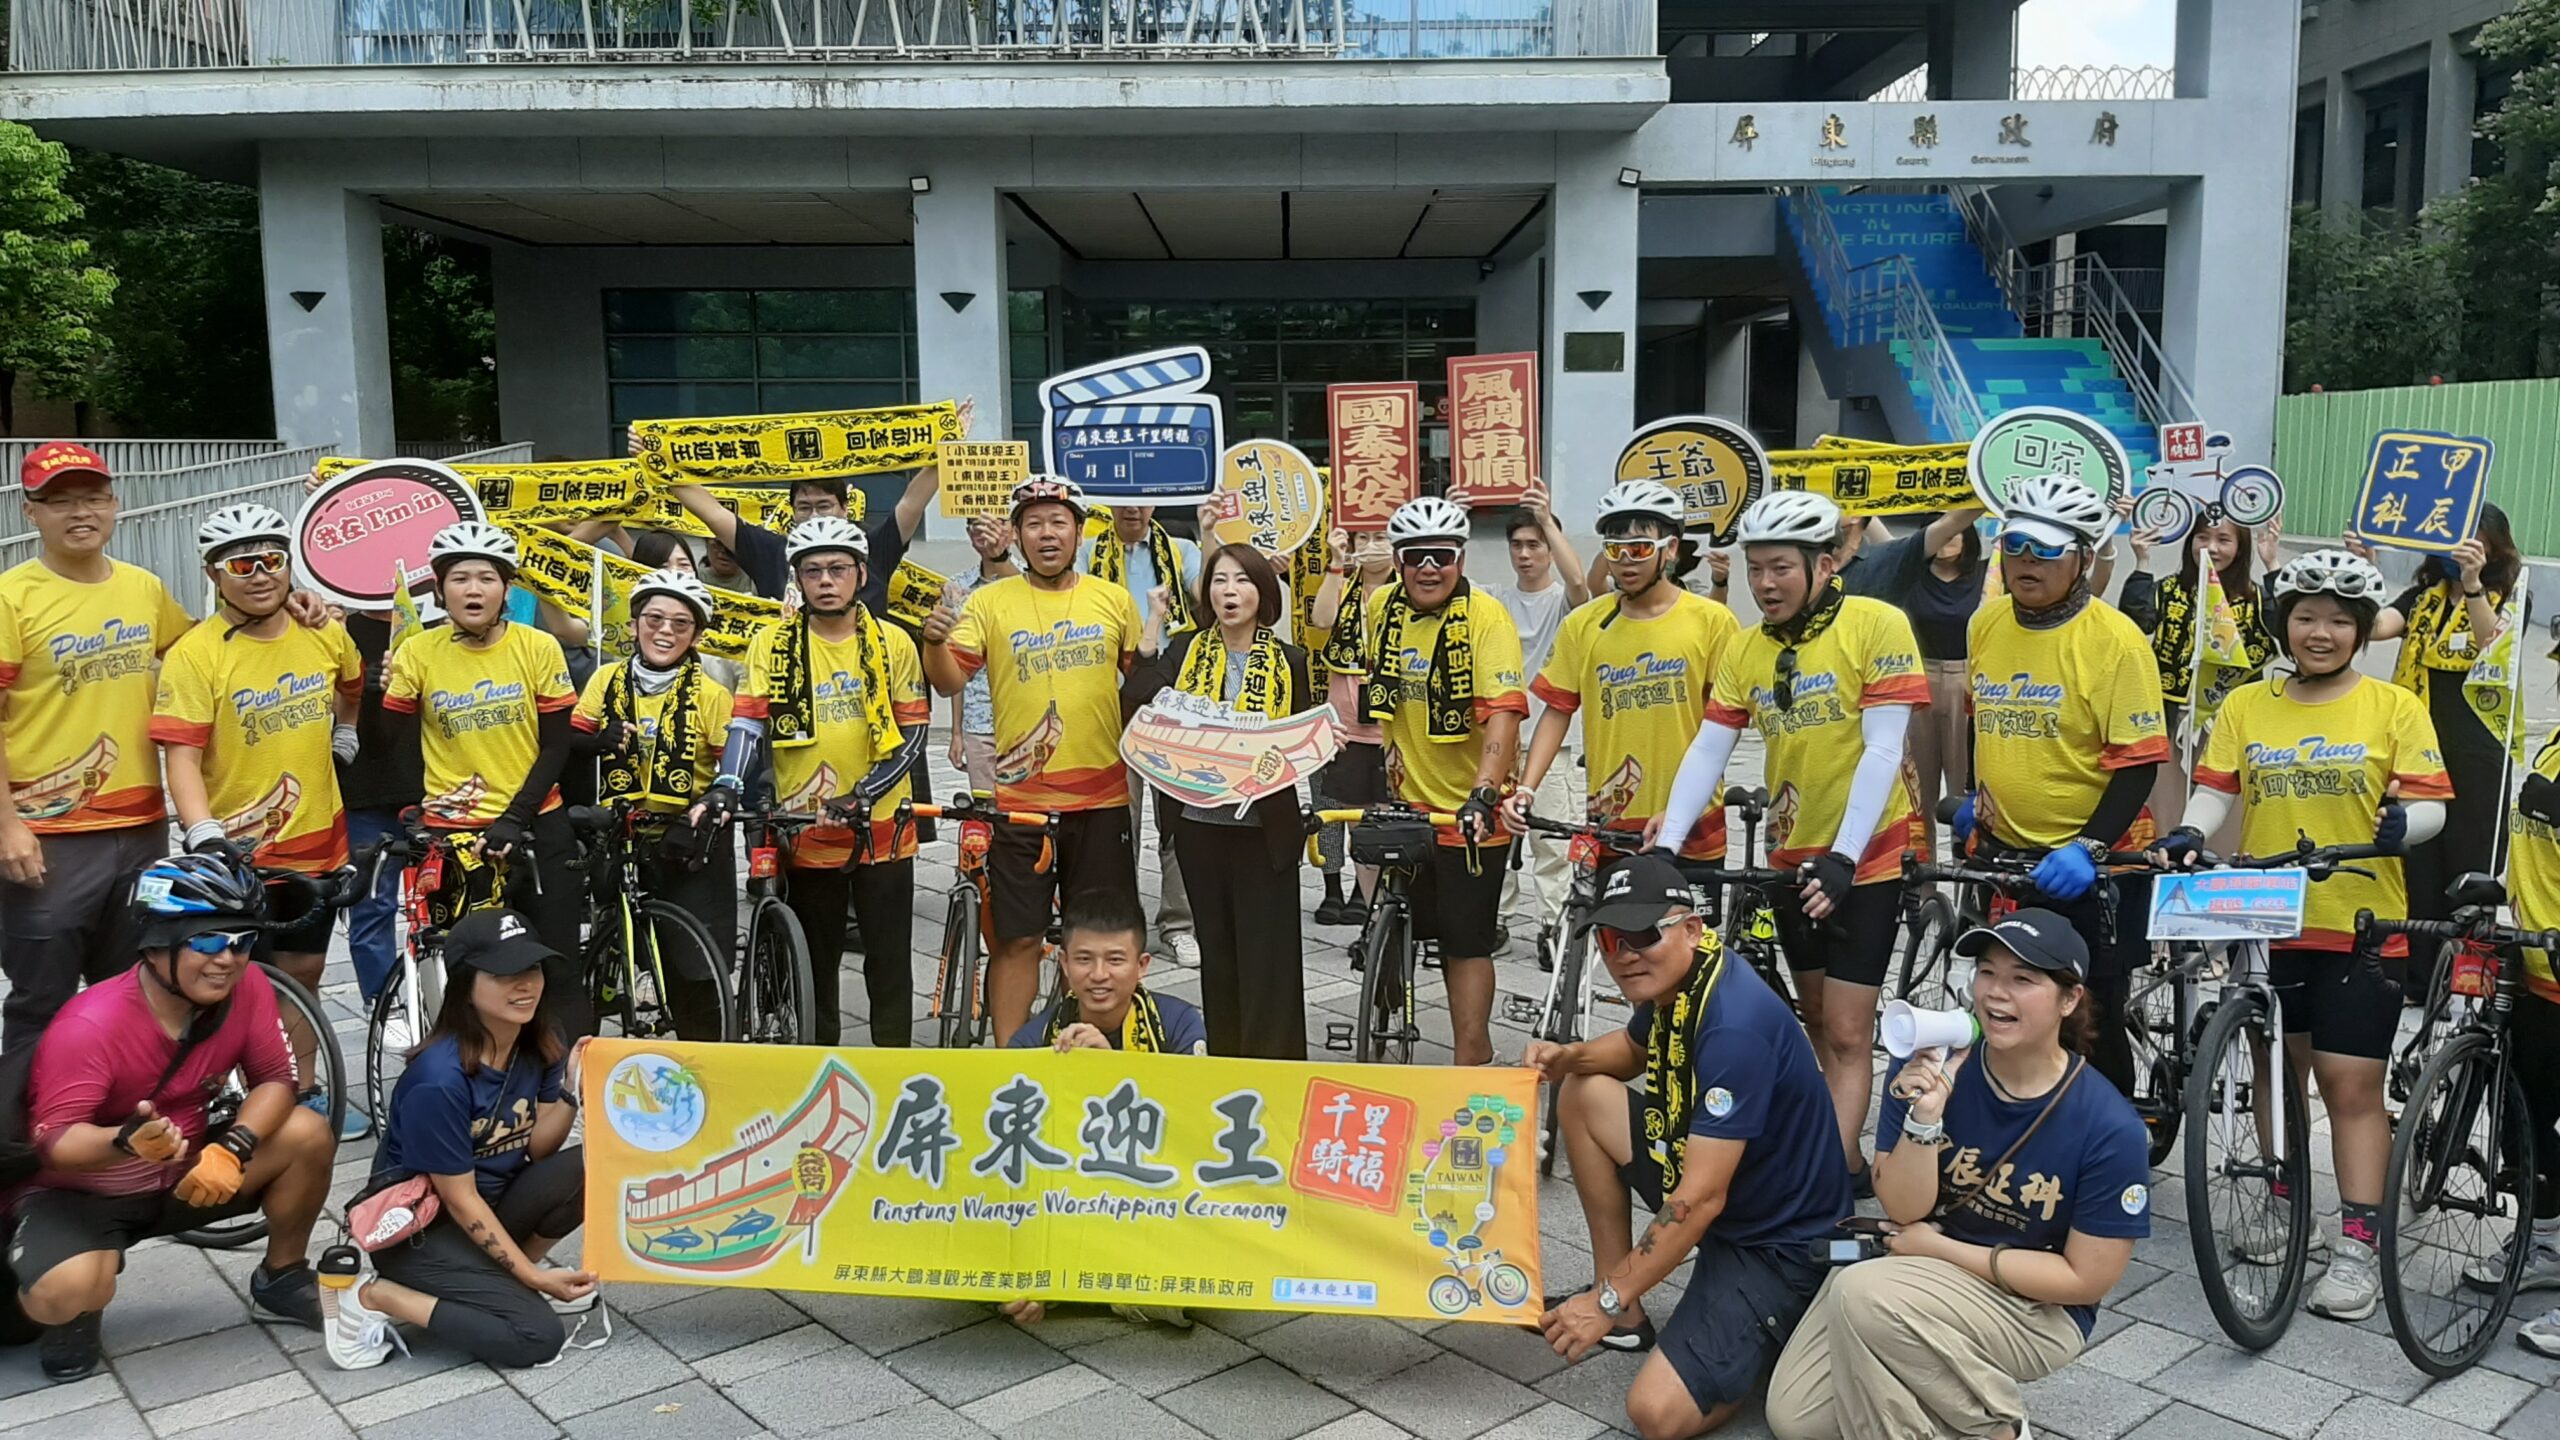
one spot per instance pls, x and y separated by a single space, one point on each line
1308 565
1824 610
2173 644
1449 691
1266 673
791 718
1343 653
1141 1030
1670 1072
2440 616
1110 561
667 768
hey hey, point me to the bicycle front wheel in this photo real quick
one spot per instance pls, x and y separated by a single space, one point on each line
684 946
2248 1174
1388 956
1926 981
955 1004
777 1003
2457 1207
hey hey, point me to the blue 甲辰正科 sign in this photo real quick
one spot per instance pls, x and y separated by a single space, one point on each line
2422 490
1135 430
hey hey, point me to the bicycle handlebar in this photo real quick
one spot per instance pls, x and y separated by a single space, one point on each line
1031 819
2482 929
1438 820
1629 841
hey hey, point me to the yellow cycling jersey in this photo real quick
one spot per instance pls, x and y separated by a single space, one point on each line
2533 875
1053 660
479 716
1437 772
1815 734
710 731
2055 713
1641 688
261 711
2323 771
805 777
75 659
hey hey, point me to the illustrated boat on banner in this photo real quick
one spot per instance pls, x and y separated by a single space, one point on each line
1205 754
741 1210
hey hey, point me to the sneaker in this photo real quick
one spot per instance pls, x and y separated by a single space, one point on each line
2541 1269
353 1124
579 1306
285 1297
2260 1238
69 1351
397 1033
1625 1341
1186 952
1501 941
2352 1287
359 1336
2542 1336
1329 911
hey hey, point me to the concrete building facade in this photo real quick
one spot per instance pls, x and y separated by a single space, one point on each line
2391 91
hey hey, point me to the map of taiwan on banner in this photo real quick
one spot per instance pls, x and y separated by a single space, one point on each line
1093 1176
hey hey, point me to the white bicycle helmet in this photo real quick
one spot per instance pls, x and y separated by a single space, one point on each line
1791 517
1426 517
825 532
2330 572
1058 488
2056 510
1641 500
472 540
240 525
681 586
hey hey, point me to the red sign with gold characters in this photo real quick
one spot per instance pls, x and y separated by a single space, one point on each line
1493 426
1377 451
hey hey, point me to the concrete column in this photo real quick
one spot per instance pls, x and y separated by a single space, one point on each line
2342 151
2453 98
552 386
1510 308
1981 49
1816 412
1727 392
959 249
1592 248
328 340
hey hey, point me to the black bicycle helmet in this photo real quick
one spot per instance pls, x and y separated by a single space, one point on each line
186 895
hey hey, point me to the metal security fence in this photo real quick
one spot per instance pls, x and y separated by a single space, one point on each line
2322 441
123 456
2057 82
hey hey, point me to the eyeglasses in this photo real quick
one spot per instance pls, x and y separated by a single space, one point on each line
825 572
76 501
1428 557
2027 545
263 562
1641 547
214 942
664 622
1784 690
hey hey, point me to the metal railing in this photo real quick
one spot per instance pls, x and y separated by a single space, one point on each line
1883 302
60 35
123 456
2056 82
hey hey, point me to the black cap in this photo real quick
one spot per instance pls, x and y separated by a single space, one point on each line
2037 937
1638 891
495 942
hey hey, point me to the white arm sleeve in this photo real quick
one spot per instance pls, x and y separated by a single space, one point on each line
1694 788
2208 808
1878 767
2426 819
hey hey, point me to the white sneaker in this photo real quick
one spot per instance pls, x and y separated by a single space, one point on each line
397 1033
1186 952
2542 1336
2260 1237
2541 1269
360 1337
2352 1288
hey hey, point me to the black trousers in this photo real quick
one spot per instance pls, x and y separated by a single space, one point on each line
76 927
1244 914
2110 921
553 898
2537 1058
883 901
710 895
482 1310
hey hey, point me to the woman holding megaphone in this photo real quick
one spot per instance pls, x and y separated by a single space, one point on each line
2014 1186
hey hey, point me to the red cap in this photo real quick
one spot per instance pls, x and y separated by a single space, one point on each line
50 462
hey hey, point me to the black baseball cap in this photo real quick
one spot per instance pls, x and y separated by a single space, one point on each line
2037 937
1638 891
495 942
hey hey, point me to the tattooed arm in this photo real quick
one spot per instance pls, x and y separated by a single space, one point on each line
464 1206
1706 1176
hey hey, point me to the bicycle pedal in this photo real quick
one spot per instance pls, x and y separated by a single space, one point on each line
1337 1035
1610 997
1520 1009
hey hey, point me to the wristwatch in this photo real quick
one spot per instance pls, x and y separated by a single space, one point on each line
2096 849
1610 1304
1929 1134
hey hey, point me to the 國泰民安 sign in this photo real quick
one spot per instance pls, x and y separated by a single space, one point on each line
1377 451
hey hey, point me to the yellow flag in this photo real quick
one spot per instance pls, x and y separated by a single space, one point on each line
405 605
2494 686
2221 659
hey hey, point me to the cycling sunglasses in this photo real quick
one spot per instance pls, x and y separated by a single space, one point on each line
214 942
2023 545
261 562
1615 940
1428 557
1640 547
1784 690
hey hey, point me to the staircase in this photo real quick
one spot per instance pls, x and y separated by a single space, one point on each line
1915 315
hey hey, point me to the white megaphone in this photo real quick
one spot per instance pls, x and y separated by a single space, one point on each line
1907 1030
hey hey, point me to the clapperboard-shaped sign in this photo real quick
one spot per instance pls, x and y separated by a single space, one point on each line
1136 431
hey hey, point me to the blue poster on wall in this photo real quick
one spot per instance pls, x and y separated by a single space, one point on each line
2422 490
1135 431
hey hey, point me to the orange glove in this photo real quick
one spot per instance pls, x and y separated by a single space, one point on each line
213 1181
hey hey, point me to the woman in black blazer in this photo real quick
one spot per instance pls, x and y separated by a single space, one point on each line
1242 874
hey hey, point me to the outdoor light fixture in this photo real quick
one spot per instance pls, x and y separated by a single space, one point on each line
958 300
1484 269
1593 298
1630 176
309 300
920 184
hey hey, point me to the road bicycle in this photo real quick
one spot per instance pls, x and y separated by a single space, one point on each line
1750 923
1398 840
959 1005
636 943
777 986
437 881
1569 955
2457 1200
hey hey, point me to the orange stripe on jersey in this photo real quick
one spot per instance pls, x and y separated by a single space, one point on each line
1104 788
918 713
400 704
751 707
581 722
2142 752
8 676
166 730
313 852
1707 841
970 661
1563 702
2222 780
1514 702
112 810
556 702
1899 690
1730 717
2435 785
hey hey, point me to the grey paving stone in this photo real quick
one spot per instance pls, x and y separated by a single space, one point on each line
2185 1422
2088 1404
1242 1323
819 1391
1068 1385
730 1367
691 1411
45 1400
1114 1412
1552 1421
1344 1351
2250 1390
167 1374
880 1324
2138 1352
487 1415
2369 1417
635 1298
1449 1398
115 1420
231 1403
2353 1356
721 1320
584 1380
1359 1427
2178 1304
1152 1359
2481 1399
427 1356
966 1365
1506 1350
1258 1400
1597 1386
2509 1358
168 1292
2538 1420
308 1418
924 1420
435 1390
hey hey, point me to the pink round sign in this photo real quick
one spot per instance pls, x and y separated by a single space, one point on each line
359 531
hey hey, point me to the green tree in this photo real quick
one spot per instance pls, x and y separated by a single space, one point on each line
2370 306
186 351
51 296
2507 226
444 337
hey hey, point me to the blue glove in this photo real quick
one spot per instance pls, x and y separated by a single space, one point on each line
2066 874
2391 827
1963 825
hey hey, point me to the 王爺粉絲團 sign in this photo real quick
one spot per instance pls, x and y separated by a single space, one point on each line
1716 467
1135 431
1094 1175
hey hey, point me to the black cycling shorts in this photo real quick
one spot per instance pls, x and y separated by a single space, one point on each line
1853 944
1095 852
1460 910
56 1225
2342 999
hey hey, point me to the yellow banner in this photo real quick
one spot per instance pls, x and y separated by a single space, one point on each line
562 571
797 447
1870 479
565 492
1092 1176
913 592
